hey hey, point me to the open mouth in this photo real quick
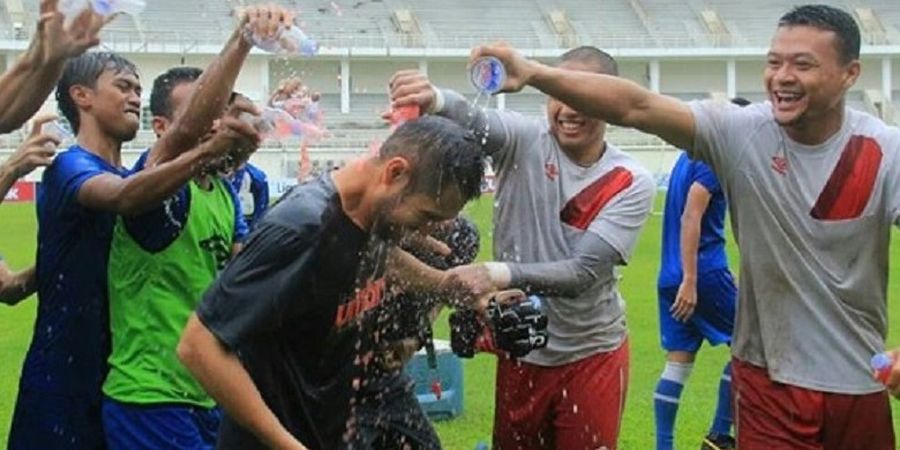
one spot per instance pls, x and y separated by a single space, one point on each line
135 114
570 125
787 98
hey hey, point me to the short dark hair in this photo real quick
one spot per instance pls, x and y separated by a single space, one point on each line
601 61
828 18
740 101
84 70
441 152
163 85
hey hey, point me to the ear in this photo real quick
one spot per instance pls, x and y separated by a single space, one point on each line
159 125
853 70
396 172
82 96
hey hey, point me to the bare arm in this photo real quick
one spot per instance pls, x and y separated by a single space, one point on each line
150 186
225 379
215 85
15 287
35 151
686 300
25 86
612 99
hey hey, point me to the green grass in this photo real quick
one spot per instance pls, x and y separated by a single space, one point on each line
638 288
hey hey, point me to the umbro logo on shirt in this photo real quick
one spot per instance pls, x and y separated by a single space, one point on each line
551 171
780 164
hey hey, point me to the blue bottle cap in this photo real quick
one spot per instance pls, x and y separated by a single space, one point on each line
487 74
881 361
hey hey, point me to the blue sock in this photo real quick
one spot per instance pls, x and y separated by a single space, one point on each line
722 422
665 402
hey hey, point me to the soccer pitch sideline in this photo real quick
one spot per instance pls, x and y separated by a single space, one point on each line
17 244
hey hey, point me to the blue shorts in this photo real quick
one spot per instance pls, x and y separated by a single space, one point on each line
45 420
167 426
713 317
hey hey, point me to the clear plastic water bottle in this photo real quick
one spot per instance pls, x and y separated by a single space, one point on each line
57 130
289 41
274 123
882 364
535 301
487 74
72 8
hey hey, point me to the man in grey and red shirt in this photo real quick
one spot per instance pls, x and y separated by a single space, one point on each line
568 209
813 191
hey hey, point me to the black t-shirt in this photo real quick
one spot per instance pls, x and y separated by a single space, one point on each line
292 306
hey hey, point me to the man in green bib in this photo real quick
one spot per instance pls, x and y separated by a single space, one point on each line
161 262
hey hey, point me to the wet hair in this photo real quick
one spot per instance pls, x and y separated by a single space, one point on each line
441 153
601 61
85 70
163 85
828 18
740 101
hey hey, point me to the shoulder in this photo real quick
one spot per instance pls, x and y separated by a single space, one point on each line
305 206
76 162
622 161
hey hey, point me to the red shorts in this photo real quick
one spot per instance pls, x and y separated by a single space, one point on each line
774 416
573 406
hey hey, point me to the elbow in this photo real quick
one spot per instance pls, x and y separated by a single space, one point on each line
188 351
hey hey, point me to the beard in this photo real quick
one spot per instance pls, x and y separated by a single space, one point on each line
382 226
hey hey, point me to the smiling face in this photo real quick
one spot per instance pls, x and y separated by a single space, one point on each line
575 132
806 79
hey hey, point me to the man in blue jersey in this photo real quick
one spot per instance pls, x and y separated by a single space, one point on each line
82 192
697 294
252 188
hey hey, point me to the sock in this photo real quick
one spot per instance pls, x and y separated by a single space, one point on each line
724 418
665 401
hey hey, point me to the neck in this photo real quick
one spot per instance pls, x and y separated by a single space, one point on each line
818 131
92 139
352 183
587 156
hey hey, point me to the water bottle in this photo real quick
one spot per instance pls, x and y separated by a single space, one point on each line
274 123
289 41
481 445
882 364
487 74
72 8
535 301
57 130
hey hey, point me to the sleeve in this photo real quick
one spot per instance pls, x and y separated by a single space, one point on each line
70 171
251 295
719 128
620 222
157 228
503 133
702 174
261 202
569 277
241 229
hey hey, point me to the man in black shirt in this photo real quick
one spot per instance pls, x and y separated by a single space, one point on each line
284 338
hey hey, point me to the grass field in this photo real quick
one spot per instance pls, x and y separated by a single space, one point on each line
638 286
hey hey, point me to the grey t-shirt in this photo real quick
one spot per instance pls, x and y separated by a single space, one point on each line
545 204
813 226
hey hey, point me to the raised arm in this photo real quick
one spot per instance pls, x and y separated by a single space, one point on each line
26 85
686 300
411 87
215 85
615 100
35 151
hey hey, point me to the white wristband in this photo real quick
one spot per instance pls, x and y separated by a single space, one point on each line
438 104
500 274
